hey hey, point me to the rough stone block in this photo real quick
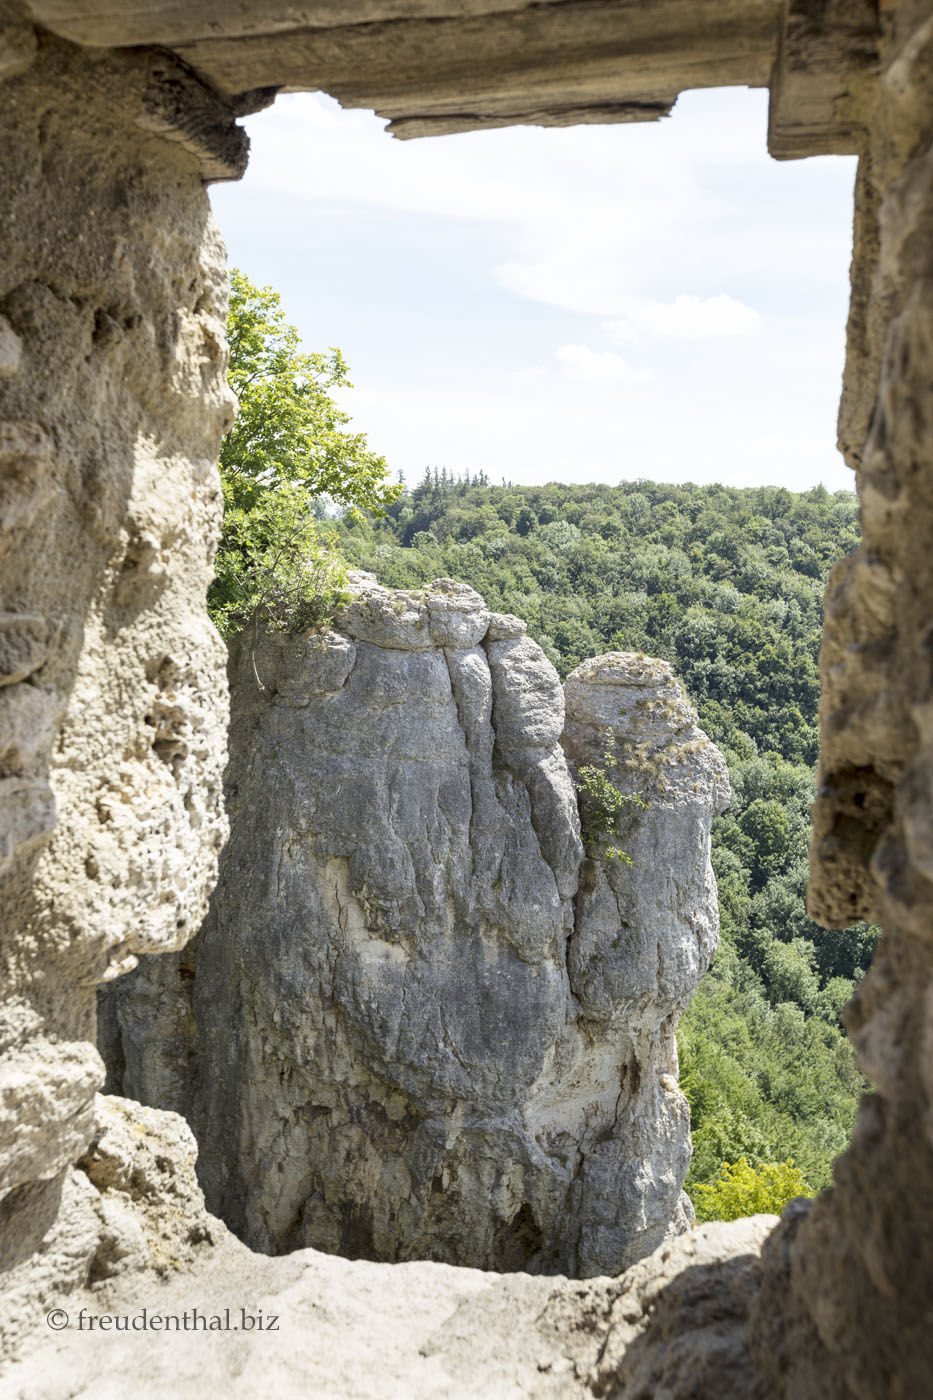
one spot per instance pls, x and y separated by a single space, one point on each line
23 646
27 813
28 717
10 350
46 1109
25 462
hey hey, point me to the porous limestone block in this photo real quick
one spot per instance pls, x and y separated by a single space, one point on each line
113 401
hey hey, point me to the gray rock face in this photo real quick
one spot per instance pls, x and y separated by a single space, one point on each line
424 1022
646 932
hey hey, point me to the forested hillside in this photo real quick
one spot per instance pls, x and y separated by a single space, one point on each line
726 584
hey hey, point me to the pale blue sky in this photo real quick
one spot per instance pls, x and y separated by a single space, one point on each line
658 300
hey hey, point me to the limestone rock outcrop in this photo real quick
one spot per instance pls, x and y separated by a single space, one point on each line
420 1021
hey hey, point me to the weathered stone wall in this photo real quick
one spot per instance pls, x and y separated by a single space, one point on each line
112 690
435 66
418 1023
847 1307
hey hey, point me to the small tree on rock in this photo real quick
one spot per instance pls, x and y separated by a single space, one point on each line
288 450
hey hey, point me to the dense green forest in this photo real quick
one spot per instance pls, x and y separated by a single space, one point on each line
727 585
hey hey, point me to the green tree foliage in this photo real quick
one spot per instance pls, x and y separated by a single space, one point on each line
764 1079
741 1189
726 585
765 824
289 448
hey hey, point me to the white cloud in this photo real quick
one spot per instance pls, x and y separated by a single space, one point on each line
442 267
686 318
306 145
591 220
599 366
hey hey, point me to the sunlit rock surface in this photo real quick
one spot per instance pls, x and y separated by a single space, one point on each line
146 1293
113 402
